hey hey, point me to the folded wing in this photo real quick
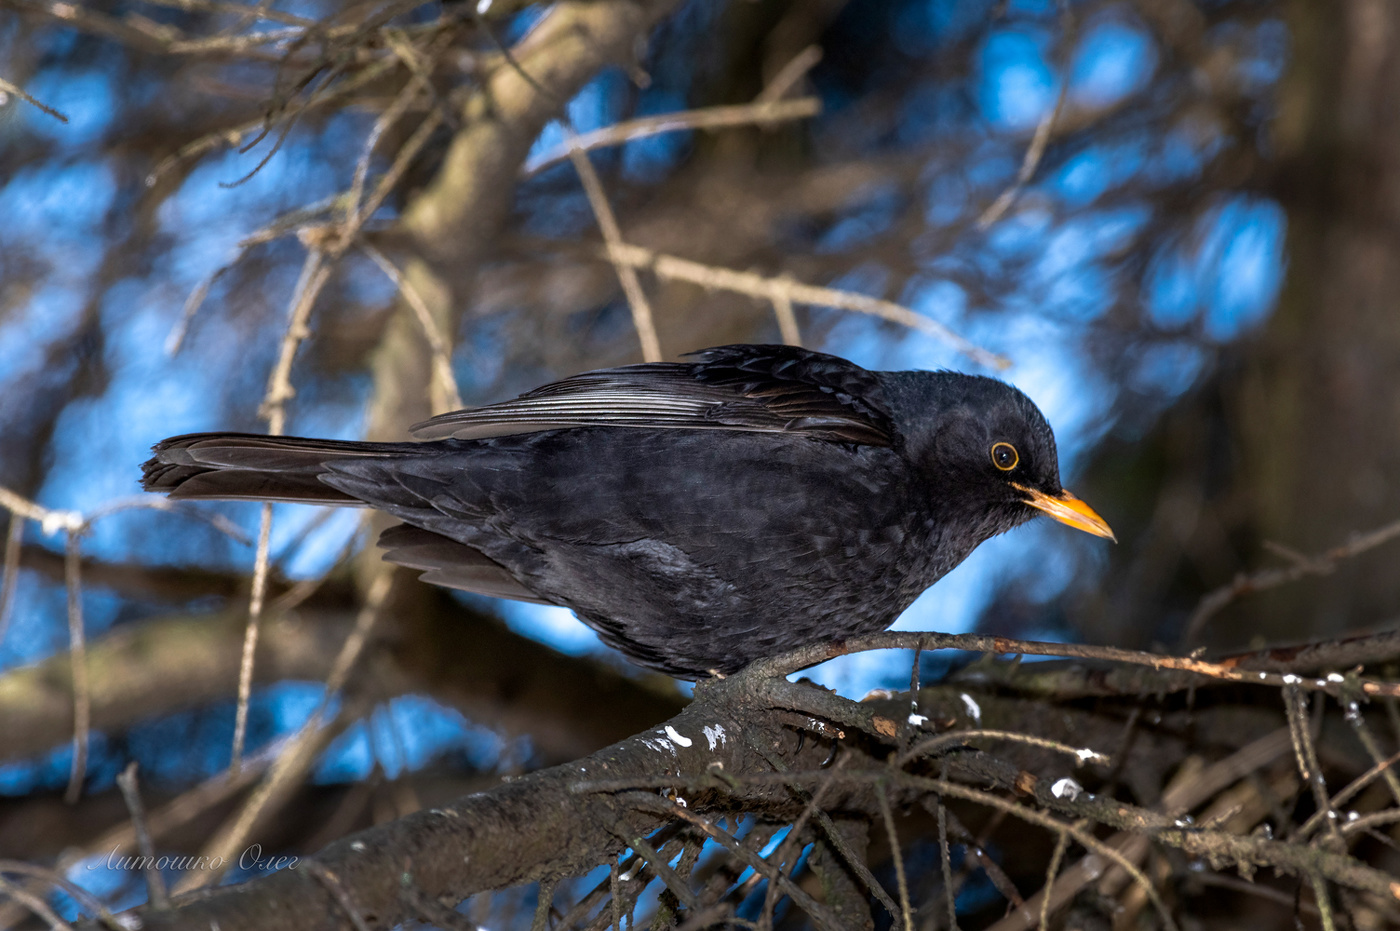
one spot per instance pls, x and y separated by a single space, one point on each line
767 389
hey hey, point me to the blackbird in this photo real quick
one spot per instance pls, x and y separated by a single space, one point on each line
699 515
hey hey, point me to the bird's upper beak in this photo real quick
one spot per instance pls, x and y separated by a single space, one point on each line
1067 509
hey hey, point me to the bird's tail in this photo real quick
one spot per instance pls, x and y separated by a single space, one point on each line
247 466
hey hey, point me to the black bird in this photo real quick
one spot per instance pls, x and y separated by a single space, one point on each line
699 515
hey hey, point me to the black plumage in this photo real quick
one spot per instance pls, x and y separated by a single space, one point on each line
698 515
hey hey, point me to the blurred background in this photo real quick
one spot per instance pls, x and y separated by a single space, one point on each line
1172 223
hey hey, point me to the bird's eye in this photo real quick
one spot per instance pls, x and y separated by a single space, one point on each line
1004 456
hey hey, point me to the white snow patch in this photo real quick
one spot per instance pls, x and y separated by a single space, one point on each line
1066 788
715 735
918 720
974 710
675 735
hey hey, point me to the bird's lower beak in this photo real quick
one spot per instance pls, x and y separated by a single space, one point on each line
1067 509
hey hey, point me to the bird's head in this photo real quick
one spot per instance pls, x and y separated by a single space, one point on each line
988 446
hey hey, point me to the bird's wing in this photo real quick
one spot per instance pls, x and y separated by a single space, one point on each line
767 389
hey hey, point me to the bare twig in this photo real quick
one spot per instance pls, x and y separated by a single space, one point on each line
245 11
612 236
787 320
945 858
315 270
1382 767
1324 902
1348 793
338 892
932 745
1321 564
774 289
7 88
1081 837
747 114
444 387
1305 753
679 887
77 646
1226 671
388 118
390 179
56 878
34 903
1051 871
789 74
905 906
764 110
821 914
1036 150
261 562
131 793
9 578
300 753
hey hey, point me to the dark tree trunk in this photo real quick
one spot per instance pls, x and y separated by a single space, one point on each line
1317 399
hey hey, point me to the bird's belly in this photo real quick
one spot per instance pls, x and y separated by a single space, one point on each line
690 612
693 551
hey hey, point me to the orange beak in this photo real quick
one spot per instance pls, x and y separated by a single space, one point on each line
1067 509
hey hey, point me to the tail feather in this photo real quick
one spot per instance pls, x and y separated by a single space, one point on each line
252 466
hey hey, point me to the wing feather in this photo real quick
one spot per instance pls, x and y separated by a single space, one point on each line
768 389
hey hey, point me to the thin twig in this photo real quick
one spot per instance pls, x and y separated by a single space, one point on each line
1083 838
338 892
131 793
789 74
1382 766
7 88
388 118
772 289
1324 902
300 752
642 318
35 904
1228 670
402 160
679 888
1051 871
746 114
1036 150
945 858
314 273
9 578
250 13
932 745
787 320
1322 564
251 631
1348 793
444 381
56 878
882 795
821 914
1305 753
77 646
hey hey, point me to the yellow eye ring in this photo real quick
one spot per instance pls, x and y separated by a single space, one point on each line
1005 457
